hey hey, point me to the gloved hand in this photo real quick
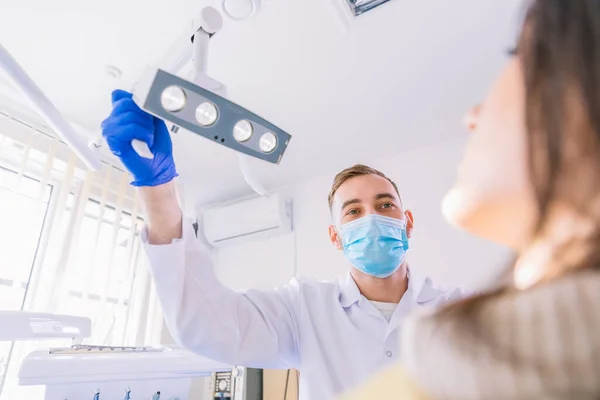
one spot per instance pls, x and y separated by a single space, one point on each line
127 122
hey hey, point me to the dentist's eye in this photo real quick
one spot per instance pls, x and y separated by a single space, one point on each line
387 205
352 212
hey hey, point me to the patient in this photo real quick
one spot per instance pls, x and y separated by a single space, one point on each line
530 179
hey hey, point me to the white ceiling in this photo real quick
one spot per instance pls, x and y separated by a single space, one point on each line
395 78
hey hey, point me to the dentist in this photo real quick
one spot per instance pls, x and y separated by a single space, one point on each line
336 334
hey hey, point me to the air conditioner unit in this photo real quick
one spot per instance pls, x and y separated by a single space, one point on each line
251 219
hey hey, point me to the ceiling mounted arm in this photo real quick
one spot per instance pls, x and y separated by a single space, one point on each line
209 22
47 110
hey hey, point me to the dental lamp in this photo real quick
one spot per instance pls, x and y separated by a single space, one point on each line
200 106
207 114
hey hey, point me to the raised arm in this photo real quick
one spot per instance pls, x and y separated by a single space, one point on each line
255 328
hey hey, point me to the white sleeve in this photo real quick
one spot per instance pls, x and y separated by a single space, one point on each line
254 329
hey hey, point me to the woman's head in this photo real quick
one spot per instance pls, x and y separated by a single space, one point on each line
533 162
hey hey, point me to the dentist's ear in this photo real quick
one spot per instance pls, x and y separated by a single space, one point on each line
335 238
410 223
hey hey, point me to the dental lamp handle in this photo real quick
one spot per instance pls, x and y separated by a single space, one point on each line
142 149
139 146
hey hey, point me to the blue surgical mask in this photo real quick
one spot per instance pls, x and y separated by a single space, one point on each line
375 245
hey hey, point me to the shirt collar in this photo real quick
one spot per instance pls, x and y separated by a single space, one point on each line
349 293
418 289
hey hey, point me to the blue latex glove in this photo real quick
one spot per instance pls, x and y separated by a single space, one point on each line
127 122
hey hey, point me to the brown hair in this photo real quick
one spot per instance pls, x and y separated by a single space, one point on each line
560 53
354 171
559 49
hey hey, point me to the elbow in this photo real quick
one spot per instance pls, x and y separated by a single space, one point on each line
188 330
205 337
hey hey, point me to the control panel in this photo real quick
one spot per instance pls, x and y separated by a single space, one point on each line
223 386
238 384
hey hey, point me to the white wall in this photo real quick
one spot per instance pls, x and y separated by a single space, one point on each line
437 250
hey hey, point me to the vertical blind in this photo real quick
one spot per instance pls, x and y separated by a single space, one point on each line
70 244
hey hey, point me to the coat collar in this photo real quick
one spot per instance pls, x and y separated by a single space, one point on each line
421 290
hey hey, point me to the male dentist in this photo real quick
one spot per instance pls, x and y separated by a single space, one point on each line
335 333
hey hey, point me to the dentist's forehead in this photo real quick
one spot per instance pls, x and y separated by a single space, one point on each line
363 189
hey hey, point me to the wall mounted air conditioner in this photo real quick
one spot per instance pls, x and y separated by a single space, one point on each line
252 219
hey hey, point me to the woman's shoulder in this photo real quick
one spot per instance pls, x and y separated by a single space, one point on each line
518 336
566 297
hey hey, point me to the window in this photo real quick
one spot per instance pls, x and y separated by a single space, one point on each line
23 210
99 279
22 215
70 245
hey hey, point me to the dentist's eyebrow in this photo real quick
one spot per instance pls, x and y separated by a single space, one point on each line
385 196
350 202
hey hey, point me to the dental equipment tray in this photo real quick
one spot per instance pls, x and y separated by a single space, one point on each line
80 363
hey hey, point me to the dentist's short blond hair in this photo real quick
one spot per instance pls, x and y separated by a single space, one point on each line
352 172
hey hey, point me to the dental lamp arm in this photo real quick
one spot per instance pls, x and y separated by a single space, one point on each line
249 177
47 110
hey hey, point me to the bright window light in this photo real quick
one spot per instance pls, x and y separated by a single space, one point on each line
99 262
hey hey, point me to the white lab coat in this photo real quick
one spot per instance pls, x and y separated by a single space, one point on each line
327 330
